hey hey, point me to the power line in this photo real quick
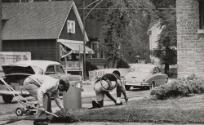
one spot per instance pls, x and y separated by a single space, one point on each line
116 8
93 8
91 3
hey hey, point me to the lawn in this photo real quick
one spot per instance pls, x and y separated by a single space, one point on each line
179 110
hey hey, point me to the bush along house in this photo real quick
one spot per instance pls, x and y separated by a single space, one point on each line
49 30
190 37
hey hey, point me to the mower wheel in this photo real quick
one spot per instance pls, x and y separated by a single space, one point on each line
20 111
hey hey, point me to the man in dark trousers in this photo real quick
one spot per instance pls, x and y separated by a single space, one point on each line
104 85
43 87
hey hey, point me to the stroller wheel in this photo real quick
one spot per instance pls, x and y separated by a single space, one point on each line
20 111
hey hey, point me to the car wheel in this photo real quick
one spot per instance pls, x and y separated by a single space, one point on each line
7 98
127 87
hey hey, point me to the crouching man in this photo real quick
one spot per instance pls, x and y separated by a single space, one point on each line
104 85
43 87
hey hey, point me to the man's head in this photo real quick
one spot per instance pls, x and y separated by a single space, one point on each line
63 85
116 72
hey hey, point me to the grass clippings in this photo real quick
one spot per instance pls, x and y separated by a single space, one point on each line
63 118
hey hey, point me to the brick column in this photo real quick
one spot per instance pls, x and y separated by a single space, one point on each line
189 45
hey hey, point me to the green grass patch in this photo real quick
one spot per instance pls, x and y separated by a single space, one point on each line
179 110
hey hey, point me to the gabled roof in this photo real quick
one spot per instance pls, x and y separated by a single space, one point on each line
36 20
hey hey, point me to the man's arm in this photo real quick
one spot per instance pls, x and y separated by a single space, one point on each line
45 87
58 101
110 96
40 97
121 89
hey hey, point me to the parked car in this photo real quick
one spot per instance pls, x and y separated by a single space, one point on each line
144 76
15 74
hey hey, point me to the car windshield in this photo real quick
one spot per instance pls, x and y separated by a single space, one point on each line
59 69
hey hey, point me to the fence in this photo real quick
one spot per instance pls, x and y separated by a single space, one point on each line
98 73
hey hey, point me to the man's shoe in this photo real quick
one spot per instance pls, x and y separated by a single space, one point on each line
95 105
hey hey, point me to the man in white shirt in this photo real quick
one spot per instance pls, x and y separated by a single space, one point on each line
43 87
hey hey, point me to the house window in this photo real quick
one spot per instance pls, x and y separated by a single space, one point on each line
98 52
102 54
201 11
94 46
71 26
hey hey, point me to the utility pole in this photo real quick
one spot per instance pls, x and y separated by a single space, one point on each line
84 37
0 25
84 44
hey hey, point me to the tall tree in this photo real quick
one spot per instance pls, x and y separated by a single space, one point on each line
124 23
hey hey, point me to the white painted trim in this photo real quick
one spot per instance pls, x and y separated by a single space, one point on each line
70 41
63 56
80 21
74 42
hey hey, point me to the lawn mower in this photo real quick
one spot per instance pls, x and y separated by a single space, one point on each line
26 107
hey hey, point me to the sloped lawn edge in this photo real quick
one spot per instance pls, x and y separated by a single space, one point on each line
144 115
133 113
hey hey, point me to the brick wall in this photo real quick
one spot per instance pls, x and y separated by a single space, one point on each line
190 43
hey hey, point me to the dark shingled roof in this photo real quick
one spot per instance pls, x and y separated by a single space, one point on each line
37 20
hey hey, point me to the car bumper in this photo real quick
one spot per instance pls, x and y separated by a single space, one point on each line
6 92
143 84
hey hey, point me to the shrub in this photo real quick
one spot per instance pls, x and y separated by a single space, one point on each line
179 87
122 64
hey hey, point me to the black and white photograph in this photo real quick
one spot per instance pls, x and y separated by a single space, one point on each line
101 62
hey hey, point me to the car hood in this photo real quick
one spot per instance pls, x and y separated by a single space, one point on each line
17 70
139 77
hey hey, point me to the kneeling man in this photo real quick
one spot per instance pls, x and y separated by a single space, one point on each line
104 85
